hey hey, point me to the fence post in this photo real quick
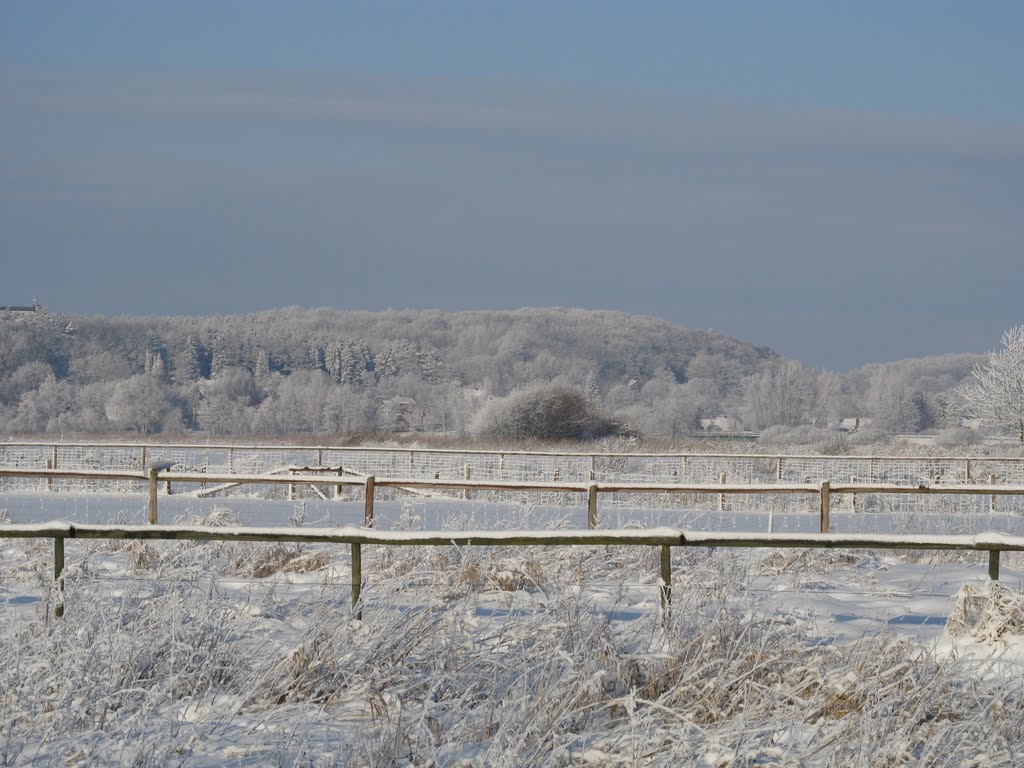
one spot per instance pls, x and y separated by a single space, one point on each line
993 564
368 510
825 492
992 498
593 467
592 506
721 496
142 457
467 472
58 576
666 584
51 464
854 495
357 579
778 471
152 494
337 488
412 463
968 468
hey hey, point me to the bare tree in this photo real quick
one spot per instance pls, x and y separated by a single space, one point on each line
995 395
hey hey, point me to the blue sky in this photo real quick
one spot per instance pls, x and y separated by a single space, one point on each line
840 181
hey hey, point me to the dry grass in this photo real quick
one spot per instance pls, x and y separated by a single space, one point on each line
990 613
495 656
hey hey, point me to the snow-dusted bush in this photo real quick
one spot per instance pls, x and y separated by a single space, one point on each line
803 437
958 437
545 412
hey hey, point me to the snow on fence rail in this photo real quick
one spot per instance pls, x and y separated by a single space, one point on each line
665 538
153 476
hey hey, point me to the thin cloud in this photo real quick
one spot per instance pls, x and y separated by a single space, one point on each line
779 226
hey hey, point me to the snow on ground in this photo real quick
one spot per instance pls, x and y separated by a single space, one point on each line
249 654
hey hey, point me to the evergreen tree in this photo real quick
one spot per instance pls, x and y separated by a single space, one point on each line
262 372
187 366
158 367
590 390
314 355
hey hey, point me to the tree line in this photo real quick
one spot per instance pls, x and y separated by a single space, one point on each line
335 372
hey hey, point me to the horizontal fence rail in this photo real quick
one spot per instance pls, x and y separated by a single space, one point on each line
665 538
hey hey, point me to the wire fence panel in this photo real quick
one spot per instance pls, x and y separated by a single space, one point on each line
713 508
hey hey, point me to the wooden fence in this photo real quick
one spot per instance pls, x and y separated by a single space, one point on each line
584 465
664 538
824 490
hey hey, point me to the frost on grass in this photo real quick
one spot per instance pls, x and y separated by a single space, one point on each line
991 613
499 656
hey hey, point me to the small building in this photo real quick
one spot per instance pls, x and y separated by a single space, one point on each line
398 414
720 423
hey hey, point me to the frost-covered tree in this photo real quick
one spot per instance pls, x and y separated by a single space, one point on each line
297 406
591 390
787 394
995 394
40 410
187 364
26 378
904 410
158 366
262 371
139 404
314 355
432 367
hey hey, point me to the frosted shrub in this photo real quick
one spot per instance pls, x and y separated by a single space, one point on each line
544 412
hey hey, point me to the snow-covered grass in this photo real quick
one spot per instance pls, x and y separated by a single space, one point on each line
175 653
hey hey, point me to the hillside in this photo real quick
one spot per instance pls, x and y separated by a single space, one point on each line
323 370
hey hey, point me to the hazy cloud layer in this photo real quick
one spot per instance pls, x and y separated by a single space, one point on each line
835 238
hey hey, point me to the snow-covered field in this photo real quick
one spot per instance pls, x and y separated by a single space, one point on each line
249 654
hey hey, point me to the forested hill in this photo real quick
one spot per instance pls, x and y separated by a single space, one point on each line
324 370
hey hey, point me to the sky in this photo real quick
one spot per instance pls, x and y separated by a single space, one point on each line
842 181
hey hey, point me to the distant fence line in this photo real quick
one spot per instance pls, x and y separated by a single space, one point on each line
665 538
154 476
555 466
